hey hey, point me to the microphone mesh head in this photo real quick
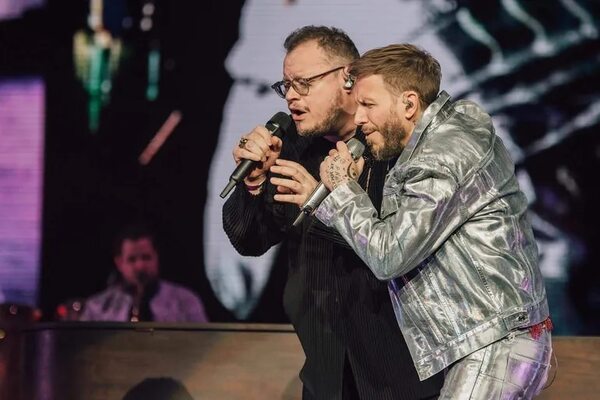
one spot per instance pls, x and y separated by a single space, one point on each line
356 148
285 123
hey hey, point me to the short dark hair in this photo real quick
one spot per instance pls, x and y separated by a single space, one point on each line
403 67
334 41
133 231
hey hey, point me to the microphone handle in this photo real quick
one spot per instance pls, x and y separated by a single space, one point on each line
320 193
312 202
246 166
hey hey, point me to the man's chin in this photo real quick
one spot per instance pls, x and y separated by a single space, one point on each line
375 151
302 128
378 156
382 154
308 131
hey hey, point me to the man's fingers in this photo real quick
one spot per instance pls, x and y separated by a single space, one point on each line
325 164
291 164
290 198
283 190
343 150
285 171
253 143
257 144
323 174
300 170
287 183
276 144
263 132
290 172
243 154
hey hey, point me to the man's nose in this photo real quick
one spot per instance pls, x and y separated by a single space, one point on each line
139 265
291 95
360 118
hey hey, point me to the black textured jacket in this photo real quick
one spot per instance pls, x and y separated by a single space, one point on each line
340 311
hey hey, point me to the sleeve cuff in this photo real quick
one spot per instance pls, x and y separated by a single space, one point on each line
340 196
241 186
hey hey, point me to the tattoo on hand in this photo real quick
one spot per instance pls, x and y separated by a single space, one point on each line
352 171
338 174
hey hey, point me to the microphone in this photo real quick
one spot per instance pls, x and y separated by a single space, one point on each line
280 124
318 195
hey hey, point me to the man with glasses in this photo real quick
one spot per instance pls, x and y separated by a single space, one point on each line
300 85
341 313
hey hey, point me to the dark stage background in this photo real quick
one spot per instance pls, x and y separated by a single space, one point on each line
533 64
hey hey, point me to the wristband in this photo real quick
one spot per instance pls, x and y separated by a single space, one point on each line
252 188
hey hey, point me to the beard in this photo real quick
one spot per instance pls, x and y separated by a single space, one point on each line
393 134
330 124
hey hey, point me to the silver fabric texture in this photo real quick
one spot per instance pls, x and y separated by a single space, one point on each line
515 367
452 238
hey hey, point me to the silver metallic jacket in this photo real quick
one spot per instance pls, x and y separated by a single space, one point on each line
453 238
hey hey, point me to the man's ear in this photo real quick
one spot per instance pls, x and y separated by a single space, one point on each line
349 79
411 103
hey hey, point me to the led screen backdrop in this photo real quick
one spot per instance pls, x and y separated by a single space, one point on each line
21 175
112 72
513 57
10 9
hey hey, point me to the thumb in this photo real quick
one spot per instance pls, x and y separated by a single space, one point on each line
276 144
360 164
343 150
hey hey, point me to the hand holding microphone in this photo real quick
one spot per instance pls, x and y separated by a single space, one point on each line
341 165
294 183
257 151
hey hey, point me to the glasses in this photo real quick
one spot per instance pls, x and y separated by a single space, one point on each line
300 85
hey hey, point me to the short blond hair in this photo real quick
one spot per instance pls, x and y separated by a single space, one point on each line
403 67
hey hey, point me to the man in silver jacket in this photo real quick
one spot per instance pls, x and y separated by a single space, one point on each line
452 239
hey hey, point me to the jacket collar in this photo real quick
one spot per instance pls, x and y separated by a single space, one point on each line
433 115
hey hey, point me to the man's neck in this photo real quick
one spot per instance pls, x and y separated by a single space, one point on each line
345 136
411 128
